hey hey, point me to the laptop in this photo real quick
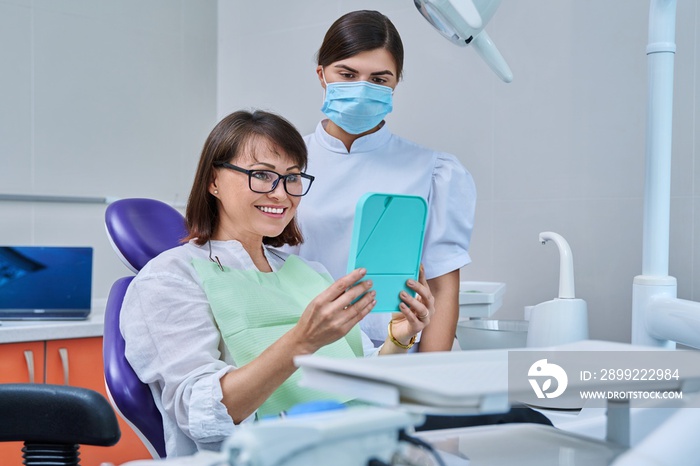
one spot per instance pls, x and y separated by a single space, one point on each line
45 282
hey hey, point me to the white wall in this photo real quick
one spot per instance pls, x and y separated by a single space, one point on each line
100 98
560 149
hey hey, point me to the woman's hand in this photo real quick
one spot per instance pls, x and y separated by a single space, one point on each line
415 315
332 314
327 318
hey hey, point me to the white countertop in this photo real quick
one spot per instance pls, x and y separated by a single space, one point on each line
17 331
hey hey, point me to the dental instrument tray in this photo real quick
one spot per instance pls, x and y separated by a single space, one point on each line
387 240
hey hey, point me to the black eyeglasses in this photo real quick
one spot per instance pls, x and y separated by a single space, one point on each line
266 181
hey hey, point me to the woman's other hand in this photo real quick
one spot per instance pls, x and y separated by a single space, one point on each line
415 314
334 312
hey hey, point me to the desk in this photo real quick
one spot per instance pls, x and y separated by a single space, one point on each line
16 331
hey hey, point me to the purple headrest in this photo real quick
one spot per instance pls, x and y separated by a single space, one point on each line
140 229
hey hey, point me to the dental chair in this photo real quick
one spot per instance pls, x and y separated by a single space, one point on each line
54 420
138 229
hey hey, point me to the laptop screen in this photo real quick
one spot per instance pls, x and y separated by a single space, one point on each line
45 282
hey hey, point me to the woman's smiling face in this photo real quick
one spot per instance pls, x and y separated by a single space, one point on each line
245 215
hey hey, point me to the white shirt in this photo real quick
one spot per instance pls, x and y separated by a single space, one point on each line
174 345
385 163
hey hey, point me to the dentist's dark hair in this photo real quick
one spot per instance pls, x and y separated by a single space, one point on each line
237 134
361 31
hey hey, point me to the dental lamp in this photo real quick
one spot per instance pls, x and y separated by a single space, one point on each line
462 22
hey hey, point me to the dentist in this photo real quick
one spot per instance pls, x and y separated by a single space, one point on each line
353 152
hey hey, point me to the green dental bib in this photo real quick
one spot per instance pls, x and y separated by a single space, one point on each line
254 309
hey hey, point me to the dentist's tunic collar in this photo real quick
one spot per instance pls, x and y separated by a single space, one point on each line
366 143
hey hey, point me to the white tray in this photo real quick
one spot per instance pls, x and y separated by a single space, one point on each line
522 445
480 299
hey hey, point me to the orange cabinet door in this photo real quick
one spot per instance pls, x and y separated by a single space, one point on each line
20 363
78 362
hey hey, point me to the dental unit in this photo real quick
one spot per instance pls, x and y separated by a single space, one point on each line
659 321
659 318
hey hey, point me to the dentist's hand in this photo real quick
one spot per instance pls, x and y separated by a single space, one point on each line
332 314
415 315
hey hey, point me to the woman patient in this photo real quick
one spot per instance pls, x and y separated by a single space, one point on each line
212 326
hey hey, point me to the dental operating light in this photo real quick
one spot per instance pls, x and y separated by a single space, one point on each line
462 22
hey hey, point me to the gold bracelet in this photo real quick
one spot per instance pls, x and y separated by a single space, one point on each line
397 342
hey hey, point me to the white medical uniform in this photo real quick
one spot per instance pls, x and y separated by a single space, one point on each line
174 344
385 163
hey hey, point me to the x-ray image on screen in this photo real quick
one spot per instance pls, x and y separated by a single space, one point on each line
14 264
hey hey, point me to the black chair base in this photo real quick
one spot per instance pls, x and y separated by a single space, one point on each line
43 454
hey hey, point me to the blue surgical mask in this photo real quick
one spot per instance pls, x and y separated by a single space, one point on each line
357 106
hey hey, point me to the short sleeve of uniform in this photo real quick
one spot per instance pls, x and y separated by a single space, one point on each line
452 204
